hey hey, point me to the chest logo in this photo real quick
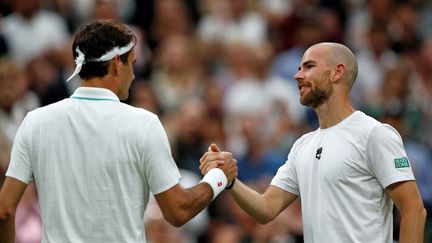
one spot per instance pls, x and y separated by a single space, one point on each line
318 153
401 162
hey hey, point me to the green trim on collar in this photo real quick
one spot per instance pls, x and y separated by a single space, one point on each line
86 98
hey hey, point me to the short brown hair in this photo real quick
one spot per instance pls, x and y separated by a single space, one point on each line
95 39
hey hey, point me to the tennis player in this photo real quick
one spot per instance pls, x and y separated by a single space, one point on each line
348 173
95 160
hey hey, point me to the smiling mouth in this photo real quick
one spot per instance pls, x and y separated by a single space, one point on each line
303 88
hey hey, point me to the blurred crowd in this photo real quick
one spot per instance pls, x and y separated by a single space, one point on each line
222 71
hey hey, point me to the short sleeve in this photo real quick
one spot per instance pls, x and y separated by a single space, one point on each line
20 166
160 168
387 157
286 176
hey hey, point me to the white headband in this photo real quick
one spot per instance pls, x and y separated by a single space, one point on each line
80 59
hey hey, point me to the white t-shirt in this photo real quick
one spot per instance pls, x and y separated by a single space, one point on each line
94 160
340 174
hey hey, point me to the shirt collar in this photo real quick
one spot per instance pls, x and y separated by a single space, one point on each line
92 93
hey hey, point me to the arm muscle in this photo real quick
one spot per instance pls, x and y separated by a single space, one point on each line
178 204
408 202
263 207
10 195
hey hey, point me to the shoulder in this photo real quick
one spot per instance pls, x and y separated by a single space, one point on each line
384 133
377 134
139 120
131 111
361 125
374 128
367 121
43 111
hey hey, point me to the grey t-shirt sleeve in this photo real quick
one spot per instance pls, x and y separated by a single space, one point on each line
20 166
160 168
387 158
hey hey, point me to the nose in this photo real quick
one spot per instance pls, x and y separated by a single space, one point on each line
299 75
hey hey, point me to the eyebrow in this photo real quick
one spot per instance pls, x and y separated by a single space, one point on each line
306 63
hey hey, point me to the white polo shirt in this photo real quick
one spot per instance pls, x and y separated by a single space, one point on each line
94 161
340 174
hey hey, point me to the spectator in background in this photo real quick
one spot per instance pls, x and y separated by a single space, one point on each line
143 96
30 31
78 12
15 97
375 58
402 29
423 25
421 87
235 66
275 12
47 79
16 100
372 13
34 37
170 18
230 21
226 22
187 136
177 72
110 9
304 31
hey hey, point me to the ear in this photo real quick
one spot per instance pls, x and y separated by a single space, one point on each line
339 72
116 65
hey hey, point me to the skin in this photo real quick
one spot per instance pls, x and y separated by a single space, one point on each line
325 77
118 79
178 205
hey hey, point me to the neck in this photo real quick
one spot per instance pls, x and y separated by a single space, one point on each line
101 83
334 111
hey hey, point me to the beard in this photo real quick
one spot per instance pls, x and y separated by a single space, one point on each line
319 94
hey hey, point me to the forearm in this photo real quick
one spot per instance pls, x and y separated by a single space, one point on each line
251 202
197 198
412 226
178 204
7 229
10 195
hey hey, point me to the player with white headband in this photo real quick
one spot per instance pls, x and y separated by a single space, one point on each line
80 59
95 160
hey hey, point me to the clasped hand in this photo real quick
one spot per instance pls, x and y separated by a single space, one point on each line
214 158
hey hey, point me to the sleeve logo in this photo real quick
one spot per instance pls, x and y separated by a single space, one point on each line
401 162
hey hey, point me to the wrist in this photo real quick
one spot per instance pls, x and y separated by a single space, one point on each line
217 180
231 185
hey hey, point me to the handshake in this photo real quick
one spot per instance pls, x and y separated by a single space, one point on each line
219 169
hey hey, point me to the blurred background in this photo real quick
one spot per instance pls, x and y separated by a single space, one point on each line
222 71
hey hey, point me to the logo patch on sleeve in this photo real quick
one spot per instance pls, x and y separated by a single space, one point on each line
401 162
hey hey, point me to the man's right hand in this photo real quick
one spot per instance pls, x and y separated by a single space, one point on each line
223 160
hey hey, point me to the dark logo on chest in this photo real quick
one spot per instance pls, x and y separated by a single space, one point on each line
318 153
